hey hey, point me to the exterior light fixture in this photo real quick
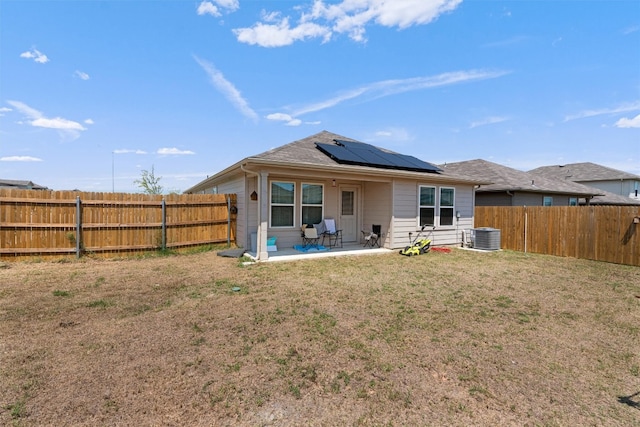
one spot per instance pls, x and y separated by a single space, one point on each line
254 195
333 183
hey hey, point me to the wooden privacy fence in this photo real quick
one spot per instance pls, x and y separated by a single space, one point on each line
58 223
601 233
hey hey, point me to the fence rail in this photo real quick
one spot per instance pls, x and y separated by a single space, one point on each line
109 224
601 233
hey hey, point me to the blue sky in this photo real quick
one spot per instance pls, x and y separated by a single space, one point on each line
94 92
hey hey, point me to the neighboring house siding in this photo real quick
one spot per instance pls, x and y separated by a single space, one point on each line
536 199
530 199
621 187
493 199
521 198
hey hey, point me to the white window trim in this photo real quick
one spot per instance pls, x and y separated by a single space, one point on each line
434 206
452 207
271 204
302 205
437 206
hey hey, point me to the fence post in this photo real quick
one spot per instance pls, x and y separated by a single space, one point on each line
228 221
525 229
78 226
164 224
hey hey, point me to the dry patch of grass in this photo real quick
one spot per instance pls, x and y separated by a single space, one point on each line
442 339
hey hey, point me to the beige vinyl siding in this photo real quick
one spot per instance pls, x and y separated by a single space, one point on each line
376 207
465 206
405 214
289 236
237 186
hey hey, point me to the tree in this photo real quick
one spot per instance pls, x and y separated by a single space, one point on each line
148 182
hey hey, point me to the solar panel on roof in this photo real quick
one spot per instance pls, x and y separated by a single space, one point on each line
359 153
372 157
339 154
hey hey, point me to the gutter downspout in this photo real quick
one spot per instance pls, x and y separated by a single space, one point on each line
246 218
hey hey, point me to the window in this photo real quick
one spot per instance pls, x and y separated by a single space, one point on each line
312 198
348 203
437 207
282 204
447 198
427 206
573 201
547 201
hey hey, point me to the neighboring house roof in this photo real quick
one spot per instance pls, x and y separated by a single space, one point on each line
586 171
12 183
504 178
305 156
608 198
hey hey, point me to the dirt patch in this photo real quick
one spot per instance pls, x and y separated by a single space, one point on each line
458 338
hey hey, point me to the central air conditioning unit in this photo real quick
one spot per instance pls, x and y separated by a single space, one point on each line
486 238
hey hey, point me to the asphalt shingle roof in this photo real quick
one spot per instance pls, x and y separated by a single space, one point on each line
586 171
504 178
305 152
14 183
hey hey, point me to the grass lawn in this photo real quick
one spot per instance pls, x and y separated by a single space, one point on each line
460 338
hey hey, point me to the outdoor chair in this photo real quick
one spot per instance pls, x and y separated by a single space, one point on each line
310 236
372 237
329 232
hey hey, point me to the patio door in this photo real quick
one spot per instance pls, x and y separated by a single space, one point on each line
349 213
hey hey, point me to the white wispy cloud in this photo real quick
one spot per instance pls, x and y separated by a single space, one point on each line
127 151
383 89
623 108
281 33
282 117
631 30
4 110
386 88
173 151
20 159
629 123
488 121
37 119
349 17
57 123
214 7
227 89
81 75
89 121
36 55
